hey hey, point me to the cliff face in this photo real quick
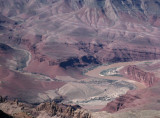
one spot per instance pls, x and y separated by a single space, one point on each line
121 102
96 10
137 98
98 31
50 109
134 73
65 111
88 35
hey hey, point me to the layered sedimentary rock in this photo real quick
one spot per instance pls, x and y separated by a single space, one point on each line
87 35
134 73
61 110
121 102
47 109
143 98
43 40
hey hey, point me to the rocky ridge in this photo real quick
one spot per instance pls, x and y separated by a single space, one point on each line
128 30
64 111
137 98
51 109
134 73
121 102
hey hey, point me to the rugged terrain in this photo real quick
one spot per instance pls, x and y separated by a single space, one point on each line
67 51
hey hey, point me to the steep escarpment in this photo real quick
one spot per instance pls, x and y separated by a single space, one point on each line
47 109
61 110
121 102
146 99
92 53
139 11
85 21
142 98
54 39
93 12
134 73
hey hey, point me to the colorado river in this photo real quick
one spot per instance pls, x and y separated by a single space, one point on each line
96 73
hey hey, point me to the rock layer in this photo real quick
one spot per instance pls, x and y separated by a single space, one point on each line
121 102
50 109
134 73
137 98
61 110
60 34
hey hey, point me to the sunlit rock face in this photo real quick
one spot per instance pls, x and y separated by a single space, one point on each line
87 3
47 46
107 30
109 10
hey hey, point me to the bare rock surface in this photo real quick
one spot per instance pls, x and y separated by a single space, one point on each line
46 45
138 99
48 109
133 72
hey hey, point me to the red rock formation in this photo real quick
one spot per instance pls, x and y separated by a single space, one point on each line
136 98
121 102
41 29
134 73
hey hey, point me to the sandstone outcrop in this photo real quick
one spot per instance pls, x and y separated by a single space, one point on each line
45 42
134 73
64 111
51 109
136 98
121 102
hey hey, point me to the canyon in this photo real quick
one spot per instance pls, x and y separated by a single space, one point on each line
79 58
